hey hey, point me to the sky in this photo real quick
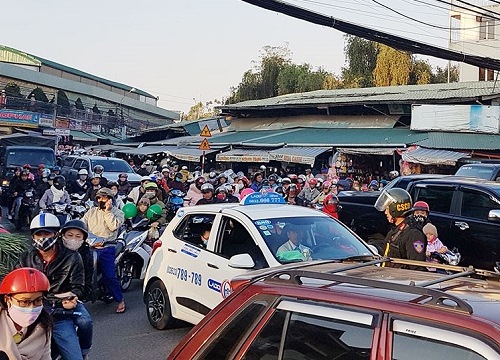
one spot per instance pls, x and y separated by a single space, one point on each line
186 51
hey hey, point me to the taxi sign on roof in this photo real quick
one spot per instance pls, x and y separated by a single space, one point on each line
258 198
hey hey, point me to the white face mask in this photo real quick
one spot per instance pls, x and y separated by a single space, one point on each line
24 317
73 244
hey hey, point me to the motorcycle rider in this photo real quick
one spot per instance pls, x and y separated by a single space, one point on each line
64 268
151 193
25 326
113 186
43 184
177 183
20 187
81 185
194 193
12 185
124 186
326 188
104 220
331 205
138 192
273 181
256 184
420 215
99 170
56 194
207 191
56 170
404 240
309 193
95 186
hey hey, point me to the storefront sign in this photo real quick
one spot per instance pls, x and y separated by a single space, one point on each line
243 158
62 123
185 157
298 159
46 120
59 132
76 125
19 118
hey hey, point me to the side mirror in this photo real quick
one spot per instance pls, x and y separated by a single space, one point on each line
494 216
241 261
374 249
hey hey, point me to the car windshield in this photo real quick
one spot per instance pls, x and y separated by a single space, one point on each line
113 165
293 239
476 171
19 157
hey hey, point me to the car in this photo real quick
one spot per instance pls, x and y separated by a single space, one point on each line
484 171
352 311
112 167
184 280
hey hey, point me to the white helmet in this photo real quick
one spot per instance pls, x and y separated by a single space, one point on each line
83 172
45 222
302 177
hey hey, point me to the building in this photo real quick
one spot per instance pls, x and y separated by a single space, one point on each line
96 105
474 32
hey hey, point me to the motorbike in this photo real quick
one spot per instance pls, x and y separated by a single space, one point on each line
78 208
132 261
27 209
175 202
450 257
60 210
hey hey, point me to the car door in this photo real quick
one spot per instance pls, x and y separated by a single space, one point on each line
188 273
475 237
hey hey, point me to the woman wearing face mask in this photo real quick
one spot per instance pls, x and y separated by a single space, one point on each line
56 193
151 194
25 327
113 186
194 193
177 183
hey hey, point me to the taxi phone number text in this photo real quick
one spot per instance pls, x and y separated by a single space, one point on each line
184 275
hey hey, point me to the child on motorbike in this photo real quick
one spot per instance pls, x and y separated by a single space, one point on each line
433 244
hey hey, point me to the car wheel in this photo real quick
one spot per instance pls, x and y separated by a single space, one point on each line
158 306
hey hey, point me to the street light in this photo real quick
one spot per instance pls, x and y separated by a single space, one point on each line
124 127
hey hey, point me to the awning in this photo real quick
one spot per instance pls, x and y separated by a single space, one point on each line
145 150
367 151
298 155
432 157
244 155
83 136
189 154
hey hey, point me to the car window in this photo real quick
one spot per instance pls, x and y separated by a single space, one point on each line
308 336
234 238
321 237
68 161
438 198
81 164
192 226
226 341
113 165
477 204
20 156
412 341
483 172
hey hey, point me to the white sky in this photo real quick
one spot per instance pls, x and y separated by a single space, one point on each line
185 49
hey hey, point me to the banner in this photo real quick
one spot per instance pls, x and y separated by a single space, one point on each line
62 123
46 120
19 118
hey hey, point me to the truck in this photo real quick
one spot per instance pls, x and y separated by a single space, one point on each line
487 171
466 212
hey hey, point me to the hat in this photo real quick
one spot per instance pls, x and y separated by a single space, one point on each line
184 167
104 192
146 178
151 185
430 229
144 200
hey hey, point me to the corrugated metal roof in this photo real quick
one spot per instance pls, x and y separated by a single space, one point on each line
388 94
244 155
300 154
460 141
432 156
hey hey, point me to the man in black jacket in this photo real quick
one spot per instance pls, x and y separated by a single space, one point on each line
22 184
64 269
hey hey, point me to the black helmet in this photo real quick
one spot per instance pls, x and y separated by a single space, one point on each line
279 190
59 182
112 183
265 182
76 224
98 169
398 201
273 177
25 172
56 168
51 176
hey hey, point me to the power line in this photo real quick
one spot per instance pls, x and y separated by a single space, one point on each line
468 9
478 7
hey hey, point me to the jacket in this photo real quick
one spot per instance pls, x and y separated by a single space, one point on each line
406 242
48 199
194 194
104 224
124 187
136 194
65 271
76 187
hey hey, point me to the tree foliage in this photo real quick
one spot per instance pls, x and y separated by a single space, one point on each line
393 67
203 111
361 59
79 104
63 102
39 95
13 90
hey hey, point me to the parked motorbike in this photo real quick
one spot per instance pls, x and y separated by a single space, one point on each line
132 262
60 210
27 209
175 202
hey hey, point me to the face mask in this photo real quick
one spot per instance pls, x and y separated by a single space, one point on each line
150 195
221 196
178 179
83 177
240 186
45 180
73 244
44 244
420 218
24 316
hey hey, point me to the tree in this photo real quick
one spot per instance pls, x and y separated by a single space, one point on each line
300 78
13 90
63 103
361 59
95 109
39 95
79 104
393 67
202 111
441 75
421 72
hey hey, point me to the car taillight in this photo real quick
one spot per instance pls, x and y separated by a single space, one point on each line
156 245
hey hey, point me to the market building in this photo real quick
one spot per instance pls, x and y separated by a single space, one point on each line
94 108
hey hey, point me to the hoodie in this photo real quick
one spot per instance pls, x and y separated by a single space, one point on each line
194 194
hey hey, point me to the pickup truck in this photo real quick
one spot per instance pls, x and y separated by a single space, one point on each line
466 212
483 171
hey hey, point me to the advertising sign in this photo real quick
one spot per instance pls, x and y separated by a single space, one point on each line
46 120
62 123
19 118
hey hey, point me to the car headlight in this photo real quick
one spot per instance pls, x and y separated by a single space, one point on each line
5 182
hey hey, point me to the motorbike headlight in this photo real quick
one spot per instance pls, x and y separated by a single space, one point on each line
5 182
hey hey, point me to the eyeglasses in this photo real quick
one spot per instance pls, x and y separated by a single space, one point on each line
26 303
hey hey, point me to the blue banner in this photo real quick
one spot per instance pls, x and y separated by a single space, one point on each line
19 118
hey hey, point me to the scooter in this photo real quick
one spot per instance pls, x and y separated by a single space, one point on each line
174 203
132 262
61 210
78 207
26 211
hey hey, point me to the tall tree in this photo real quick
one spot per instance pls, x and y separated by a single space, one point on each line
393 67
440 75
79 104
13 90
421 72
39 95
63 102
361 59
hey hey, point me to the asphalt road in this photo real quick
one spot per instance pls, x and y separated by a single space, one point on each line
129 335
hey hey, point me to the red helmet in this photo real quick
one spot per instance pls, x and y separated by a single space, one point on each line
313 182
330 203
24 280
421 205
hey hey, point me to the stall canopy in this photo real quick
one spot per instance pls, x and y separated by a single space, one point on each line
367 151
299 154
182 153
431 156
244 155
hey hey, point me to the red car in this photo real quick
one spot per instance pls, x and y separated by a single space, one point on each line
330 310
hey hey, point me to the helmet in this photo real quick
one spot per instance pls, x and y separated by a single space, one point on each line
59 182
145 178
292 187
286 181
398 201
151 185
222 175
41 166
263 167
56 168
112 183
301 177
184 167
212 175
123 175
265 182
98 169
279 190
330 203
293 177
199 181
45 173
313 182
51 176
327 184
95 176
221 189
76 224
83 172
24 280
104 192
373 185
273 177
45 222
207 187
27 166
319 180
394 174
245 180
165 169
25 172
420 205
179 175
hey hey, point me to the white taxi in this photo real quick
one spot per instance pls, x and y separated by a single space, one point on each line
205 246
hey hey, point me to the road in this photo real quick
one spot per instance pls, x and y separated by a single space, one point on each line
129 335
